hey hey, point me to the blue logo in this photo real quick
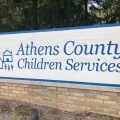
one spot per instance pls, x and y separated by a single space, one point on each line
6 61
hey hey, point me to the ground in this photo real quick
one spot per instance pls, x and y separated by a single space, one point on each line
13 110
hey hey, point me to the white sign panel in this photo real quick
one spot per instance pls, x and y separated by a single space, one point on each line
81 56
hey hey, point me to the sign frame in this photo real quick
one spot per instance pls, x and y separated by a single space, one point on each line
61 81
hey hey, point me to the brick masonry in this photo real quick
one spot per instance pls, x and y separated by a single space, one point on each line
63 98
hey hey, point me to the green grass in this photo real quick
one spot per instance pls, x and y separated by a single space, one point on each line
15 117
23 110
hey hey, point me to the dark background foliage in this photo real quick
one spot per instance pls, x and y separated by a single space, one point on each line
40 14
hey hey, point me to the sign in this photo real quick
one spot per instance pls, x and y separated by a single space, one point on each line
82 56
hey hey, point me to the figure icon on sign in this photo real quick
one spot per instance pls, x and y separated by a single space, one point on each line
1 64
6 62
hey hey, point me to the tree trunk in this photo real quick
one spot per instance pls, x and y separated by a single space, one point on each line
35 14
86 9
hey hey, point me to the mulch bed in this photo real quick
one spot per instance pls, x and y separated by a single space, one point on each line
13 110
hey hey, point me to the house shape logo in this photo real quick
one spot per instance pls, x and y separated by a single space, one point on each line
7 56
6 62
